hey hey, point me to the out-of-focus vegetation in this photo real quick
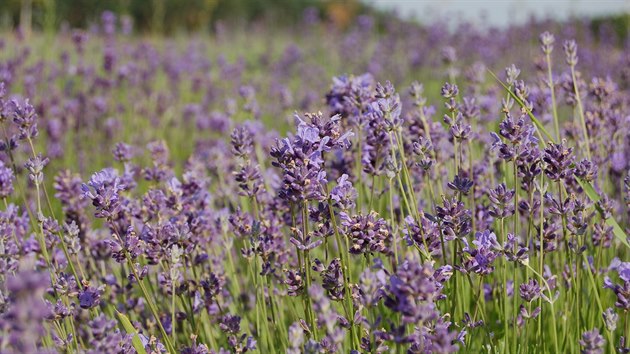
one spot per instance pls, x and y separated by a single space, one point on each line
620 24
173 16
169 16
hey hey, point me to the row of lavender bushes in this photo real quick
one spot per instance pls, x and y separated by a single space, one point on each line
484 211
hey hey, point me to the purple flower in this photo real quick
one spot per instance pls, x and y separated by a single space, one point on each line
6 181
327 319
108 20
90 297
442 339
343 194
570 51
349 95
449 90
454 218
230 324
501 199
586 170
413 292
69 191
428 232
294 282
622 291
460 184
530 291
242 142
368 233
296 338
546 42
512 73
301 157
249 180
25 310
240 343
332 279
480 258
107 338
25 117
423 148
123 152
558 159
103 189
79 38
592 342
610 319
35 166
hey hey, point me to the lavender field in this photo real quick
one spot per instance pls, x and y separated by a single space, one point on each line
385 188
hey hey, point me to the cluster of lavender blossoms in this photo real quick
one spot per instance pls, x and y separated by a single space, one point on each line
271 204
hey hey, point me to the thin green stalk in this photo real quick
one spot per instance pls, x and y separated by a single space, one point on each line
346 274
64 247
541 254
505 294
307 270
372 192
580 109
167 340
473 202
598 301
428 136
359 171
413 207
554 109
393 220
514 270
173 322
553 312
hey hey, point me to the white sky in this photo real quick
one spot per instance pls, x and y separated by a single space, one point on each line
501 12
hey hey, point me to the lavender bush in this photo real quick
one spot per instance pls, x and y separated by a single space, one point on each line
464 191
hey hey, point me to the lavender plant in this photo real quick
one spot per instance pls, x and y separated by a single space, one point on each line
266 202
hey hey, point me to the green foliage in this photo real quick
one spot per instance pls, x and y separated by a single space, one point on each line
137 343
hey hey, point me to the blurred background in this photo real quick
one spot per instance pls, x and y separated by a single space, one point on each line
184 16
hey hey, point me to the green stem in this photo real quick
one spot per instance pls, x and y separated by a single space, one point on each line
598 301
554 109
553 312
580 109
346 274
167 340
505 291
307 270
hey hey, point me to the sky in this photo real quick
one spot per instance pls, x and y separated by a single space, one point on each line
502 12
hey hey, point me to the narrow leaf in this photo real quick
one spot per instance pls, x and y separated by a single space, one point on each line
592 195
137 343
539 126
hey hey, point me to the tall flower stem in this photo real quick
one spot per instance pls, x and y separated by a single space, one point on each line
541 254
307 270
473 202
553 312
346 274
580 110
392 220
64 247
505 291
167 340
412 197
599 302
554 109
514 270
262 284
